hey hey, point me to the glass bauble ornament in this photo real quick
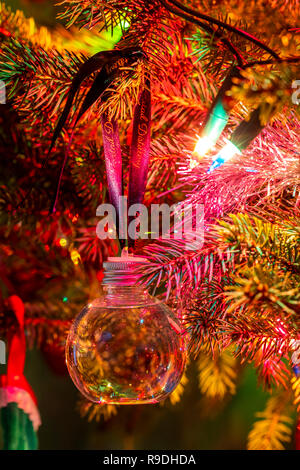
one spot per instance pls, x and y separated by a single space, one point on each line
125 347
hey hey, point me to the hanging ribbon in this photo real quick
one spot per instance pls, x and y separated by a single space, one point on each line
139 159
107 65
113 164
140 147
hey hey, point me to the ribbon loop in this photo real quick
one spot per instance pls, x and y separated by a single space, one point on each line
139 160
113 164
140 147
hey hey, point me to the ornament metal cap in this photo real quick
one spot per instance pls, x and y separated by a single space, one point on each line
122 270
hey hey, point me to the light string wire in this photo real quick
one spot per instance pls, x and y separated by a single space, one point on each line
238 56
217 22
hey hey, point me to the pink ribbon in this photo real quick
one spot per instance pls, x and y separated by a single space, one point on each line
140 148
139 160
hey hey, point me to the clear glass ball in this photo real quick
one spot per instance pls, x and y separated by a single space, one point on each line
126 348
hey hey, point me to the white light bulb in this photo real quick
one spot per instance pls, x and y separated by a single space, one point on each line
225 154
203 145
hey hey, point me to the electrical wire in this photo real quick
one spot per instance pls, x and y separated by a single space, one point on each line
208 29
226 26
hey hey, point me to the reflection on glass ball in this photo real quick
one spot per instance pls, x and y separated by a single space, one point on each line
126 354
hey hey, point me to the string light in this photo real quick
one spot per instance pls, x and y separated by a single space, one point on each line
243 135
63 242
217 117
227 152
203 145
75 257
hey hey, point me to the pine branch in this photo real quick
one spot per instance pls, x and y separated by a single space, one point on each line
273 430
107 13
96 412
267 84
267 262
295 382
278 16
37 80
217 376
176 395
203 317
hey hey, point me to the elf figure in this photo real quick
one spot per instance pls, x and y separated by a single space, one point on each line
20 417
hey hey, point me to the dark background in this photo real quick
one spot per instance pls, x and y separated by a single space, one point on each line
193 423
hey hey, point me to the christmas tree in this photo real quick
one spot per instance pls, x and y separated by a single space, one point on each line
223 81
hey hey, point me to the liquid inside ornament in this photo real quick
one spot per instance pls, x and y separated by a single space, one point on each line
125 347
